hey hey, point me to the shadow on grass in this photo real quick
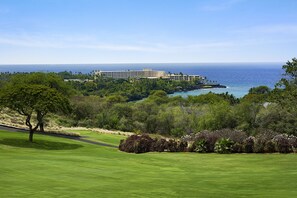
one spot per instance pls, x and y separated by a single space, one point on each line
39 144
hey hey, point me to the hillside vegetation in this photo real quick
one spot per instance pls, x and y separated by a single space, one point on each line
104 103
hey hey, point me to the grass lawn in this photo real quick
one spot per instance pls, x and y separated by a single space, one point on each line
56 167
100 137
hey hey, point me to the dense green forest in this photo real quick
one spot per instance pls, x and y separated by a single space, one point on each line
114 104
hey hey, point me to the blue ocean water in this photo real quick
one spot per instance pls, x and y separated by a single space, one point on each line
238 77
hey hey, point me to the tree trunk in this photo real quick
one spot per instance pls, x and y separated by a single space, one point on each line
31 135
32 130
41 127
40 120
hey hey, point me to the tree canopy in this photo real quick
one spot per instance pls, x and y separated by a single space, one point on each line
28 99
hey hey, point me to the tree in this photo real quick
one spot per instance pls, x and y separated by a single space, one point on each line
259 90
282 116
50 80
285 92
30 99
290 73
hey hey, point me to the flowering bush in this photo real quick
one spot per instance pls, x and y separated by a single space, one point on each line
282 143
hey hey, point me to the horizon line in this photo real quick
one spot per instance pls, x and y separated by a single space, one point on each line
121 63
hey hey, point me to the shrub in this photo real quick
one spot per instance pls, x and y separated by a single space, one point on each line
224 146
136 144
233 135
248 145
172 146
293 143
188 138
237 148
199 146
282 143
159 145
261 139
182 146
205 141
269 147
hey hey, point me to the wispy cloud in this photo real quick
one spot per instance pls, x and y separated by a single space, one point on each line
71 42
25 43
84 42
118 47
211 44
221 5
270 29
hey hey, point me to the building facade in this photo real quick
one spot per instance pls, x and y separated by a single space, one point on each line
184 77
145 73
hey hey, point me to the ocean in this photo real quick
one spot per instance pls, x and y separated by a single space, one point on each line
238 77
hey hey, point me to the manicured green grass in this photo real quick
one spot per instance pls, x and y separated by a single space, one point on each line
101 137
67 168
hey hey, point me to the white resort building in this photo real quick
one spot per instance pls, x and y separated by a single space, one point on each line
145 73
185 77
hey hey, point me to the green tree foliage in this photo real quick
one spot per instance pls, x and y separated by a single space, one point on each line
290 73
212 98
50 80
284 96
132 89
218 116
246 113
259 90
71 75
28 99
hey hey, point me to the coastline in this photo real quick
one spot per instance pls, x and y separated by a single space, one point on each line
198 87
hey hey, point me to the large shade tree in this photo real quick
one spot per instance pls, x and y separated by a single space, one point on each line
51 80
29 99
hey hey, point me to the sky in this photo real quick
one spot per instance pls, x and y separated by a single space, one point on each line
147 31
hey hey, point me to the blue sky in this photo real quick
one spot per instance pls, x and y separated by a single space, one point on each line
147 31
